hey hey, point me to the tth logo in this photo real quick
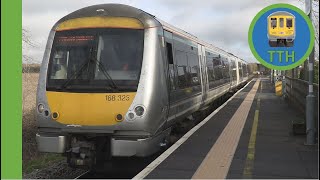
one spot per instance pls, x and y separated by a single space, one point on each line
281 36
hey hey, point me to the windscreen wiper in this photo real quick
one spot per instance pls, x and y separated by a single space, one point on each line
105 73
86 64
75 74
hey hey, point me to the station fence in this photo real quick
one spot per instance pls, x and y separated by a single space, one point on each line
296 91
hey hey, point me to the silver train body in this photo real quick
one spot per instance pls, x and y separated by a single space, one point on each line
180 76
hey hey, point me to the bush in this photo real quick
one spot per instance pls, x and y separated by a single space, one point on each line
30 68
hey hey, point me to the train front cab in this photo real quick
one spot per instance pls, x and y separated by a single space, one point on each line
281 29
102 86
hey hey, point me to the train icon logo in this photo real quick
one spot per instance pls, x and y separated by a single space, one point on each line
281 36
281 29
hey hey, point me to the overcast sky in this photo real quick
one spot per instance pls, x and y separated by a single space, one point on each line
223 23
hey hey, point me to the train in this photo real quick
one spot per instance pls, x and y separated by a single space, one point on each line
281 29
115 81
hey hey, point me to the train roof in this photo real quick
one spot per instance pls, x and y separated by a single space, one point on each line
176 30
148 20
279 13
172 28
119 10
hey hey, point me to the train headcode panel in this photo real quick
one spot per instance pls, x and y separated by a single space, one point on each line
281 36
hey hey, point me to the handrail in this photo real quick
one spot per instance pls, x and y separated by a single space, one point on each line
301 80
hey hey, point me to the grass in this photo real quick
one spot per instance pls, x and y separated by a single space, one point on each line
31 158
29 89
42 161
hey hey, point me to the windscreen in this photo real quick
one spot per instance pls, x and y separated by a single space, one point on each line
273 22
99 60
289 22
281 22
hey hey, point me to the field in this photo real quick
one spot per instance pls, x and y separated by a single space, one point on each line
31 158
29 89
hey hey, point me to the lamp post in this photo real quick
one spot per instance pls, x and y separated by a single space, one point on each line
310 99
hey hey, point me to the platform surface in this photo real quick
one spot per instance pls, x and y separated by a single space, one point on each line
266 147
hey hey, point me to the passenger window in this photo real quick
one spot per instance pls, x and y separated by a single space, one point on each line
193 63
217 67
281 22
273 22
244 68
226 66
182 65
289 22
209 64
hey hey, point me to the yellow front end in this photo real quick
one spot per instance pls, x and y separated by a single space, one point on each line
281 29
90 109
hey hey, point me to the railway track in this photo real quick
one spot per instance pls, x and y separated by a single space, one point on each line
82 175
119 168
127 168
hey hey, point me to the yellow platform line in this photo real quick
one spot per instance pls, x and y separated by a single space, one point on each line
249 165
217 162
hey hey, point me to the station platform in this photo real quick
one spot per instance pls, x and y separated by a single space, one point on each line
249 136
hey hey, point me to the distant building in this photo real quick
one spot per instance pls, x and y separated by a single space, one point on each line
256 67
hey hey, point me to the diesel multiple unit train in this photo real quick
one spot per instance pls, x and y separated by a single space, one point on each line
115 80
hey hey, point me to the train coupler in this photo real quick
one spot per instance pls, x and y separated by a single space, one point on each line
81 154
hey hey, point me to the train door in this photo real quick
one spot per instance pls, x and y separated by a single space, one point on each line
204 77
172 83
233 71
229 71
240 71
237 70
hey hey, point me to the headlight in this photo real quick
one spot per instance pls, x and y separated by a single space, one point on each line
40 108
139 110
130 116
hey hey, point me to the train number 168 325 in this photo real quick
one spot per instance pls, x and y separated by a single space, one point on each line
117 97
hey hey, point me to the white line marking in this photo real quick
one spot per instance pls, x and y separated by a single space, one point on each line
169 151
81 175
